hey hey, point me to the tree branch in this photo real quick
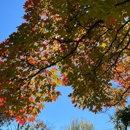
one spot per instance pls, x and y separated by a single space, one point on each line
121 3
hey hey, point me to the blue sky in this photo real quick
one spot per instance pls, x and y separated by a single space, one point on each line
61 112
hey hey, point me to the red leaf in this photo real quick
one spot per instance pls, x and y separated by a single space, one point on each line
45 53
1 100
1 61
30 99
17 119
111 21
22 122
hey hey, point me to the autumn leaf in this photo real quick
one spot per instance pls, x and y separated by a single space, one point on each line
40 106
21 121
1 61
103 45
64 79
54 70
22 110
31 99
1 100
111 21
52 82
120 69
72 100
31 119
17 119
11 112
54 98
46 71
32 60
45 53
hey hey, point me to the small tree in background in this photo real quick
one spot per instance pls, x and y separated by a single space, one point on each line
77 124
122 118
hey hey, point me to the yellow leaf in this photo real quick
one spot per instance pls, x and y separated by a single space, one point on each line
104 45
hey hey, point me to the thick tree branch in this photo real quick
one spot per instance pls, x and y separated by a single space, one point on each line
121 3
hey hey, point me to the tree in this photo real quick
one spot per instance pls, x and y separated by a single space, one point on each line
37 125
122 118
77 124
77 43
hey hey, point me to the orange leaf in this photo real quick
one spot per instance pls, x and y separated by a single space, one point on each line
30 99
72 100
31 119
120 69
54 69
32 61
52 83
46 71
11 112
54 98
40 106
22 110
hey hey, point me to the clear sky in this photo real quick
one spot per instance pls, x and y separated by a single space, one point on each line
61 112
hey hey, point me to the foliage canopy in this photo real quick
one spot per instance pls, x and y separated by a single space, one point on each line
83 44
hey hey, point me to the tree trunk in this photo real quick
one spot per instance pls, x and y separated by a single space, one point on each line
125 127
